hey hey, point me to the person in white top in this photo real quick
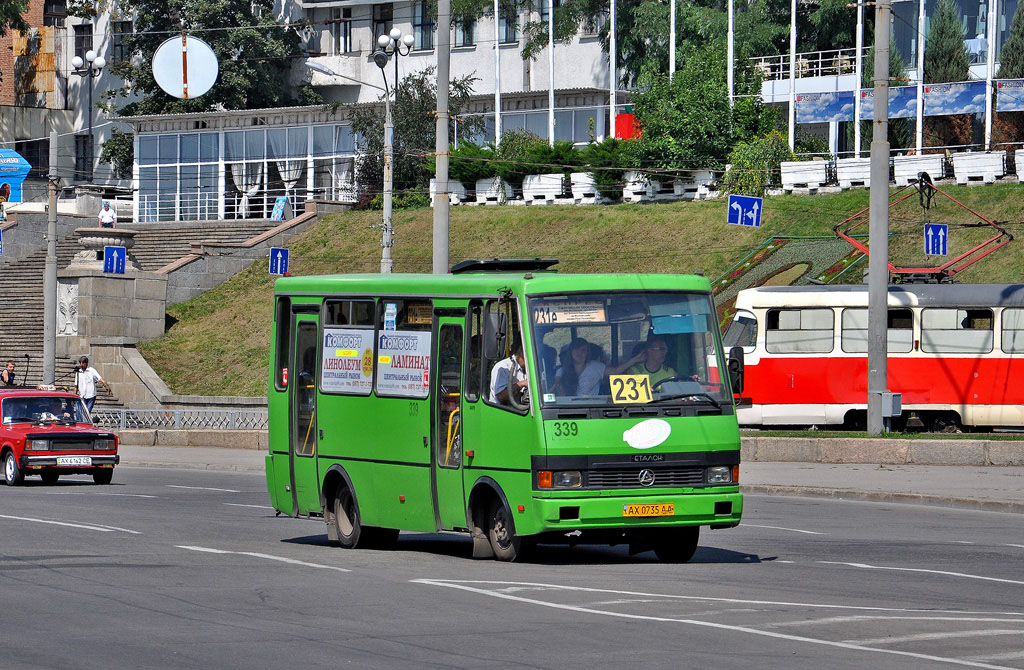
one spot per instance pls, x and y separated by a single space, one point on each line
85 380
513 367
107 217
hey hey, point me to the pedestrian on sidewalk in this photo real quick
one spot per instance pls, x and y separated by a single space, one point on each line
85 381
107 216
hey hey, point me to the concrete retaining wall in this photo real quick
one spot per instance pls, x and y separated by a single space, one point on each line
228 439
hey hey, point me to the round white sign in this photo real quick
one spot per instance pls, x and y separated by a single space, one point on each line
185 66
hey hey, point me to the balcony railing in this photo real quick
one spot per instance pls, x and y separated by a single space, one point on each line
809 64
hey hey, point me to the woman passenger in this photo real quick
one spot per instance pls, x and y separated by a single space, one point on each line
582 373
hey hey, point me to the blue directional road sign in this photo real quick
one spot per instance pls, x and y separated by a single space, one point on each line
936 237
278 261
114 259
745 210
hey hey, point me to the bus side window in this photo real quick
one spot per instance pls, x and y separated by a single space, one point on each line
475 358
512 337
283 320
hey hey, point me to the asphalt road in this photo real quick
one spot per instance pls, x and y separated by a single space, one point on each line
191 569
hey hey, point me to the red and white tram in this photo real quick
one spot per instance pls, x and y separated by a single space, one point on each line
955 352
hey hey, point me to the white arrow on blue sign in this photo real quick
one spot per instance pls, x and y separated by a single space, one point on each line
278 261
114 259
745 210
936 239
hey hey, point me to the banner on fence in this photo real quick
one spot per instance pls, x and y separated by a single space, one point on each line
902 103
822 107
963 98
1010 95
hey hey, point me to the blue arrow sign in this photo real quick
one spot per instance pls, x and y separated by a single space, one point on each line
278 261
936 239
745 210
114 259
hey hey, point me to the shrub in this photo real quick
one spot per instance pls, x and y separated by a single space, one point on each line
755 164
609 159
401 200
514 156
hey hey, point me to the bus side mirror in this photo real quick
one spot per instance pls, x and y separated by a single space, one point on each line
736 369
495 332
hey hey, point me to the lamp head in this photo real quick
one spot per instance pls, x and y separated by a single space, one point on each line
408 40
381 59
383 41
90 55
396 34
99 63
77 62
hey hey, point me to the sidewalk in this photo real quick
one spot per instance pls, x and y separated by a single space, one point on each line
993 488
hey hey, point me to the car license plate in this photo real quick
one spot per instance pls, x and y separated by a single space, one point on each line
655 509
74 460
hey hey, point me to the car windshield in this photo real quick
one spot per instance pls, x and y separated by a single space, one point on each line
628 348
43 409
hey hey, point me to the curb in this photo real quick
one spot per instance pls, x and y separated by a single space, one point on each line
886 496
212 467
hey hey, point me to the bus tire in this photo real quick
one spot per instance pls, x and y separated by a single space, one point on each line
346 518
677 545
506 544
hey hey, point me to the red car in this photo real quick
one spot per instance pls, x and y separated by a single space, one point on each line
50 433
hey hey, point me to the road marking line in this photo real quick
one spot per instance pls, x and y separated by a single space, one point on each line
792 530
200 488
1018 546
925 570
282 559
868 617
92 526
93 493
256 506
962 542
1009 656
920 637
692 622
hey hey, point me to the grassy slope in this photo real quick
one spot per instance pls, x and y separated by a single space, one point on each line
220 344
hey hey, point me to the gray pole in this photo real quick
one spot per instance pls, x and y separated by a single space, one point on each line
441 203
878 259
389 151
50 274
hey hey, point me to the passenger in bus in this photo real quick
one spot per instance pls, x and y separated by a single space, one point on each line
650 361
514 368
581 371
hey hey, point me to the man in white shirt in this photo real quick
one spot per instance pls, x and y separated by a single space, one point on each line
107 217
85 380
513 367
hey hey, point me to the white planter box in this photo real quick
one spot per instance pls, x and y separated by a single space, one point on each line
643 188
1018 156
456 192
852 172
977 165
803 174
489 192
695 185
542 189
906 168
584 190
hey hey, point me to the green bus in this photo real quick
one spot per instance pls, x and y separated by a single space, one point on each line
506 401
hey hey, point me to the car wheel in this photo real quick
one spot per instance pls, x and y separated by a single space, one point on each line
13 476
103 476
49 476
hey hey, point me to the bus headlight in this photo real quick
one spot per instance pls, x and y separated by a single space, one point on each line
37 445
561 479
104 445
720 474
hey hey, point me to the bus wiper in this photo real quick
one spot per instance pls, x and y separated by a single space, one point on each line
699 394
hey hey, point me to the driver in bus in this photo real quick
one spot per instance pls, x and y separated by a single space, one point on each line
514 368
650 361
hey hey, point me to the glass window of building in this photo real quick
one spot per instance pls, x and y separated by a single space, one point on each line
422 26
383 16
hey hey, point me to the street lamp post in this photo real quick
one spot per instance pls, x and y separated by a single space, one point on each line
390 47
89 68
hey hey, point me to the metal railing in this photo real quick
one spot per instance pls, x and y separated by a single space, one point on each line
809 64
179 419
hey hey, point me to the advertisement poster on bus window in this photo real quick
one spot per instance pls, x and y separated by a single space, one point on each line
403 363
347 365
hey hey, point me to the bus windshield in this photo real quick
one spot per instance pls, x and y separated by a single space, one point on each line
627 348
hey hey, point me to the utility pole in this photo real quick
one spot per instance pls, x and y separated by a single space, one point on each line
50 274
878 227
441 202
389 153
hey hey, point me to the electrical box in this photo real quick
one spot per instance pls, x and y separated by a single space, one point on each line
892 404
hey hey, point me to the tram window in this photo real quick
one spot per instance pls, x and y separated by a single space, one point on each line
789 331
1013 330
742 332
899 331
966 331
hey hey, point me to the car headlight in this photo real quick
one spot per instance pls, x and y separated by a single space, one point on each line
720 474
104 445
37 445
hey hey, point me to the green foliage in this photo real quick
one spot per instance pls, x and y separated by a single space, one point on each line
812 144
513 158
755 164
544 158
945 57
406 200
609 160
414 110
471 163
11 16
119 151
1011 56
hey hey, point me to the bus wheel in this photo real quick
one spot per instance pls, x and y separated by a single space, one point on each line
346 518
505 543
677 545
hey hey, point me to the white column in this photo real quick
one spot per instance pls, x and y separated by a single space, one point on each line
919 132
135 178
497 75
859 71
612 76
990 70
551 73
672 38
792 75
221 180
309 162
730 51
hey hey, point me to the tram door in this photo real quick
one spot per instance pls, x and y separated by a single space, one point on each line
446 406
302 436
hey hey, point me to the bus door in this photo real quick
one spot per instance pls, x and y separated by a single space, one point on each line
302 437
446 419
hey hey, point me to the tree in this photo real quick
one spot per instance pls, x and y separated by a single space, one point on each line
254 54
945 60
1009 126
11 16
414 111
